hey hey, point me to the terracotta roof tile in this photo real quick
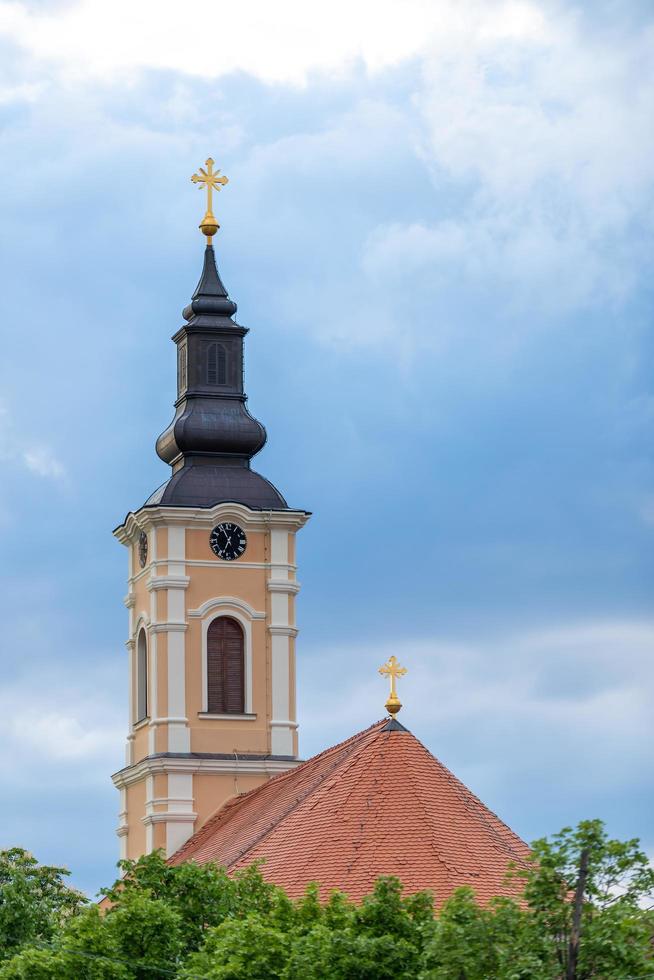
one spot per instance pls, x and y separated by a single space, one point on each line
378 803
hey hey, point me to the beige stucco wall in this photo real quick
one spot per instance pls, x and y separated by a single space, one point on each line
182 587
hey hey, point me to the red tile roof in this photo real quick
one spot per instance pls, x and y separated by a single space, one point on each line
377 804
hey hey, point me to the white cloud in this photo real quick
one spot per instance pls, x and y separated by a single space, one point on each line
282 42
539 146
535 131
23 92
67 724
524 262
43 462
15 448
58 736
549 137
574 700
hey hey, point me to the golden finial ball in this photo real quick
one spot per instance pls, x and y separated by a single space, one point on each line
393 705
209 226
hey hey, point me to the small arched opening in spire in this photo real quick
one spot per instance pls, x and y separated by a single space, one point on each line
225 667
216 364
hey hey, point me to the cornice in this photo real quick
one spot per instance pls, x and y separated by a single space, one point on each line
168 582
206 517
153 765
169 816
168 628
283 585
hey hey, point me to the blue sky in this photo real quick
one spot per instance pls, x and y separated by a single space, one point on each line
438 227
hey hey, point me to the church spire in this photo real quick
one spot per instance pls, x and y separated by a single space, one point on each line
210 296
213 437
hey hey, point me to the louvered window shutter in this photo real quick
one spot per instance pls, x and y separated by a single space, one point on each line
211 364
225 667
216 364
222 365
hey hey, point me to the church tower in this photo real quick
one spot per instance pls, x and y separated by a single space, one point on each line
211 594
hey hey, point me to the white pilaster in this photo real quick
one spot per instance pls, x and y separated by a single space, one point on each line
280 629
176 550
122 828
175 584
180 816
179 736
149 806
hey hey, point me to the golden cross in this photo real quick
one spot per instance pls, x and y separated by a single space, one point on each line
392 670
212 182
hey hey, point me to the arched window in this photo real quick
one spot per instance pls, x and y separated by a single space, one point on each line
142 677
216 365
225 667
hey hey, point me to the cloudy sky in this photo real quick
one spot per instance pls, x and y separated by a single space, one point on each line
439 229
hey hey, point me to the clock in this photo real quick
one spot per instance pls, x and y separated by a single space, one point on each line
228 541
143 549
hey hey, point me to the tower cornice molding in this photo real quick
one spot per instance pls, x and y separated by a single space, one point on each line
283 630
287 586
153 765
147 518
205 325
168 582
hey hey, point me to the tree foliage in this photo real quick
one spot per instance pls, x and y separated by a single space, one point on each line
35 901
194 922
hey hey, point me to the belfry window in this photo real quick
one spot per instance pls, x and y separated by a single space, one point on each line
181 369
216 364
225 667
141 677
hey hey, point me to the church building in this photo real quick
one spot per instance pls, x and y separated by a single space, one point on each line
212 769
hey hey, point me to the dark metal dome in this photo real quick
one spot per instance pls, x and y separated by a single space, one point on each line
212 437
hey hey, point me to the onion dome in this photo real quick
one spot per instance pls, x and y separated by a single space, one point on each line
213 437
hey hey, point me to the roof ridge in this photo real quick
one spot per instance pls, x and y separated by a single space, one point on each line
223 811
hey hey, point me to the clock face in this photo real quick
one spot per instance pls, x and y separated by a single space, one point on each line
228 541
143 549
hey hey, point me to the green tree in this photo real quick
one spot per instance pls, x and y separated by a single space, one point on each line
612 939
202 896
581 917
474 943
241 949
35 901
382 938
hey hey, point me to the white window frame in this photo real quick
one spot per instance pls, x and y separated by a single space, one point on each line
221 608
